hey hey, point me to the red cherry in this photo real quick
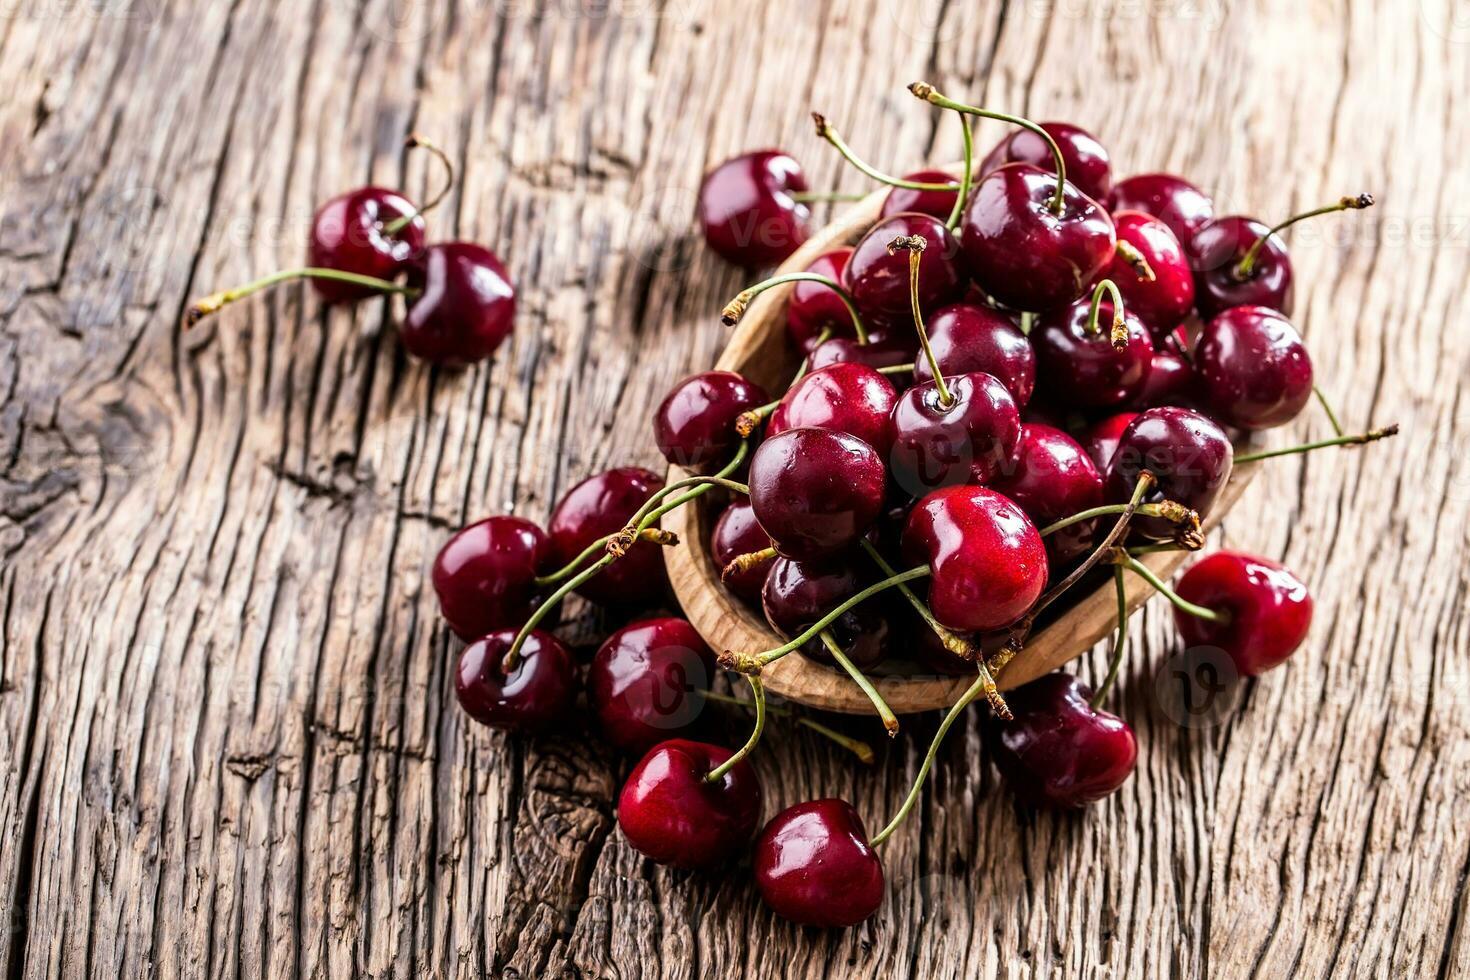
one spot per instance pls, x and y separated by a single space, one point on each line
485 575
1215 253
1088 164
1253 368
671 814
537 691
879 279
1101 439
877 353
695 425
988 561
647 682
737 533
1080 367
1163 302
1053 478
1173 200
602 505
1059 751
1267 609
966 337
844 397
1188 454
747 210
465 308
1170 381
797 594
938 204
970 439
348 234
814 307
815 867
815 491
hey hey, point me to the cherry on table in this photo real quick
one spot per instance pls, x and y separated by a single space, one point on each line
465 307
536 691
1088 165
1164 301
1189 455
1078 366
695 425
815 867
602 504
1267 610
797 594
967 337
815 491
671 814
845 397
349 233
1173 200
879 279
484 576
747 209
737 533
937 204
1053 478
814 308
647 682
971 437
1253 368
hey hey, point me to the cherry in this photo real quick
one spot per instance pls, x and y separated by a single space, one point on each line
1263 610
647 681
1088 165
465 306
1053 478
1163 301
877 353
797 594
987 559
1188 454
937 204
349 233
969 436
602 505
1059 750
1173 200
672 814
737 533
815 867
845 397
1170 381
535 692
1025 253
815 491
1216 251
695 425
1101 438
814 308
967 337
879 278
485 575
1253 367
747 209
1078 366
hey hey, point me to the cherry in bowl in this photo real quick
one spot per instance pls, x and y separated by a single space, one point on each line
1253 368
1180 205
1188 454
1077 364
969 337
844 397
816 491
1053 478
1088 164
737 533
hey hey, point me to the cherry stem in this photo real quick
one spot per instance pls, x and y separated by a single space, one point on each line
915 245
890 720
1136 261
896 369
759 691
741 564
1169 510
1372 435
1118 335
1337 428
735 309
857 747
1180 603
1247 262
416 141
925 91
1146 481
212 303
952 641
826 132
819 197
966 175
1115 659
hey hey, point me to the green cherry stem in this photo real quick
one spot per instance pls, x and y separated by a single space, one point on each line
857 747
759 691
896 369
1145 482
821 197
1115 659
415 141
952 641
828 133
885 713
735 309
1167 509
1372 435
1322 400
1162 587
915 245
967 174
214 302
1247 263
1118 335
1136 261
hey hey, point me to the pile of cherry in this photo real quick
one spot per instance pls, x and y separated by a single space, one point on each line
1020 381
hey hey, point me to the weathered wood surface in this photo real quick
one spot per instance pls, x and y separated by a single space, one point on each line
227 745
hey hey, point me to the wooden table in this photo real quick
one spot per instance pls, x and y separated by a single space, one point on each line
227 743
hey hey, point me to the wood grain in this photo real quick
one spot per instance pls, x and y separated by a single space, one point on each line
227 743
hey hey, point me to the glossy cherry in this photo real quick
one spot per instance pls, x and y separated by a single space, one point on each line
536 692
1171 381
1089 167
465 307
797 594
1188 454
1215 253
987 558
845 397
1052 478
1163 302
485 575
1023 253
879 352
967 337
1060 751
747 211
647 682
1173 200
1079 367
937 204
969 439
1253 368
1101 438
879 279
671 814
815 867
815 491
695 425
814 307
600 505
349 234
1267 610
737 533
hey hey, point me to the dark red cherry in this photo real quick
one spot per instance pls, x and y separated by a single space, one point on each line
1101 438
1170 381
695 425
1058 750
1080 368
815 867
1215 253
969 440
844 397
1163 302
1253 368
814 307
1267 609
485 575
967 337
987 558
466 304
536 692
938 204
1023 253
1173 200
1088 165
747 211
815 491
1188 454
737 533
348 234
1053 478
797 594
671 814
602 505
879 280
647 682
877 353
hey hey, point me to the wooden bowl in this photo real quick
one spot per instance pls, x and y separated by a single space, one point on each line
760 348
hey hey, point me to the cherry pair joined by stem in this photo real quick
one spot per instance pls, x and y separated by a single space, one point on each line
484 576
749 211
670 812
814 865
695 425
535 692
647 682
816 491
1188 454
1089 167
601 505
797 594
1261 611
